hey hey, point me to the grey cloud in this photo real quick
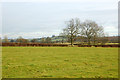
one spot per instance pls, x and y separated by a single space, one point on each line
50 17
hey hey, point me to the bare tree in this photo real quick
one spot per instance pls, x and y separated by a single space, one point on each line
91 30
72 30
5 39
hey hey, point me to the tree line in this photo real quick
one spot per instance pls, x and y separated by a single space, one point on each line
75 31
20 39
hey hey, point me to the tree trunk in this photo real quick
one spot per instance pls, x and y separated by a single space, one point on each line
71 41
88 41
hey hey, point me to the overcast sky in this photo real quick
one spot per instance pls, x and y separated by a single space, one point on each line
39 18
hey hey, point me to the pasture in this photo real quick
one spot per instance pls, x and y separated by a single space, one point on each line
59 62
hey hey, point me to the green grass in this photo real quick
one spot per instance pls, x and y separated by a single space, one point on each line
59 62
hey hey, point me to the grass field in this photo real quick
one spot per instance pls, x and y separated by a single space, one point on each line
59 62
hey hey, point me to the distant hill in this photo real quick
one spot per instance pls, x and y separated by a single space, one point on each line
61 39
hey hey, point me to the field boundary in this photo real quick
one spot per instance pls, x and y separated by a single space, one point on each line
54 44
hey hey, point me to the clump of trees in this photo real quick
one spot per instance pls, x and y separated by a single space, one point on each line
88 29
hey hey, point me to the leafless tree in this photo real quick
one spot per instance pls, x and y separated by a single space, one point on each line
72 30
5 39
91 30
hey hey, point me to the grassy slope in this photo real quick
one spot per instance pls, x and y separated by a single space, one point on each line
36 62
